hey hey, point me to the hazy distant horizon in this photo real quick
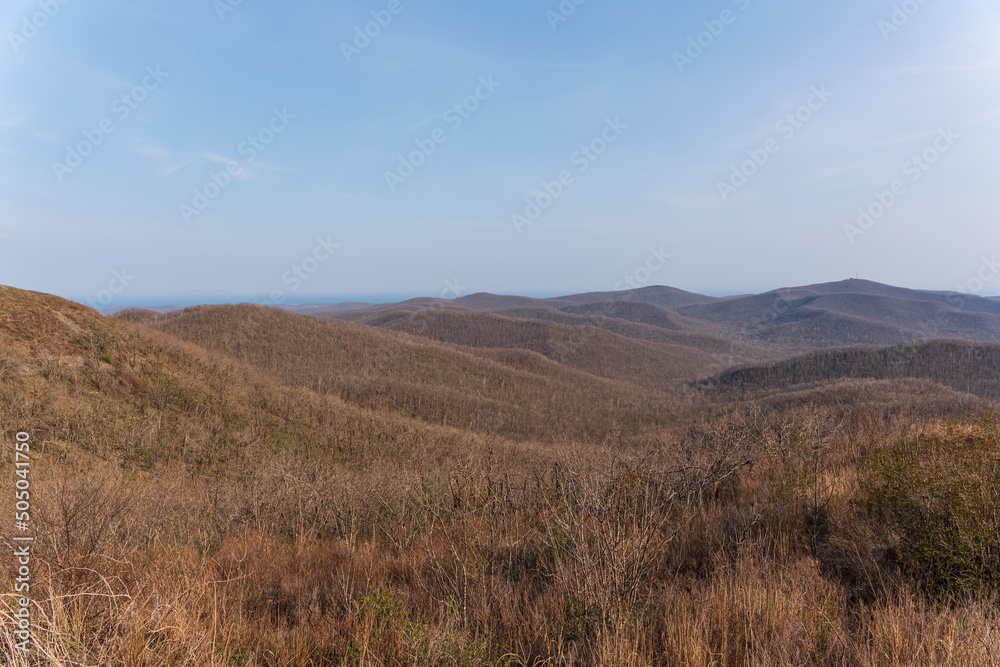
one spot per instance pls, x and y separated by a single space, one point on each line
185 300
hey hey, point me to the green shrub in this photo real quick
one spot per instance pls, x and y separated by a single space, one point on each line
940 496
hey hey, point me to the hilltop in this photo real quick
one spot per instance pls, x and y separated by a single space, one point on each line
775 323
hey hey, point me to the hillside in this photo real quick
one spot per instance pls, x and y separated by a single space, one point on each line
33 323
692 334
656 295
642 322
851 312
128 393
167 478
436 382
741 328
631 311
965 367
586 348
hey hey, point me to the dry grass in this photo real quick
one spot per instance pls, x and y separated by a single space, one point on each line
530 399
192 509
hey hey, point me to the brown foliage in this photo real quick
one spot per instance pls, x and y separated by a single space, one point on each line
194 508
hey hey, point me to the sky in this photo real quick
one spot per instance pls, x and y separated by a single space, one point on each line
207 151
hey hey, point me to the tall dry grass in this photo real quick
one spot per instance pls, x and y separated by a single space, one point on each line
688 554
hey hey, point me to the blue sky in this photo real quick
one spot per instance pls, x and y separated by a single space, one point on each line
690 151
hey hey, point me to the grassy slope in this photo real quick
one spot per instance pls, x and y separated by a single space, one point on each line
432 381
129 393
590 349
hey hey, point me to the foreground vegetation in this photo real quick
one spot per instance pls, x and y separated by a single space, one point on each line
194 510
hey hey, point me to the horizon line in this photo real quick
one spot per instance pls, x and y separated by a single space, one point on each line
188 299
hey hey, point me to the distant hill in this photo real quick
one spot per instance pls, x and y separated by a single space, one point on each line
966 367
138 314
691 334
756 326
660 295
748 327
851 312
869 288
440 383
632 311
486 301
152 309
590 349
326 308
306 309
666 297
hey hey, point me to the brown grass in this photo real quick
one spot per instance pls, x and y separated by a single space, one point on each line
193 509
434 382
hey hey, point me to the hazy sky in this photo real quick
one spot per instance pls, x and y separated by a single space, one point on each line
194 150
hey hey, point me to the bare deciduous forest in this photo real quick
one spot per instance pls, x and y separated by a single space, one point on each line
650 479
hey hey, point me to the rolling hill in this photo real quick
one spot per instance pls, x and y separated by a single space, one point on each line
522 396
962 366
851 312
729 330
653 365
119 390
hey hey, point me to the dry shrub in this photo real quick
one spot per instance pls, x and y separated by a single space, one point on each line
939 494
